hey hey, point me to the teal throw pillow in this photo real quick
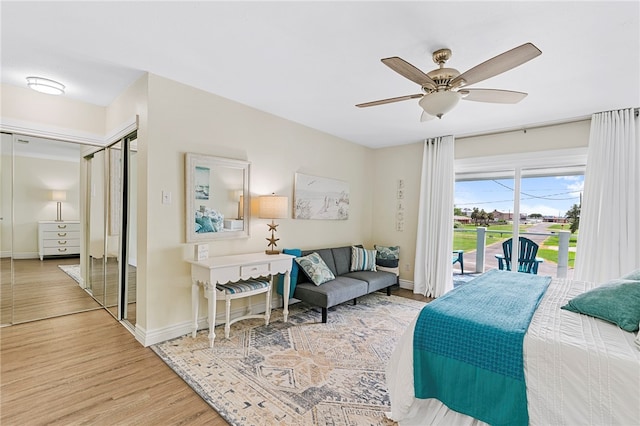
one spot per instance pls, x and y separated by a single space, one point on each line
293 276
633 275
205 224
616 301
362 259
387 256
315 268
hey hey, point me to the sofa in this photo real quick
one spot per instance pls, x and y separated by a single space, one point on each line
344 283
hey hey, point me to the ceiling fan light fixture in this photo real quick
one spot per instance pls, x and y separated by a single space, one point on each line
45 85
439 103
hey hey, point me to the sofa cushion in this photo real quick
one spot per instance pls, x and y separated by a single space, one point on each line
332 292
362 259
315 268
375 280
342 258
326 255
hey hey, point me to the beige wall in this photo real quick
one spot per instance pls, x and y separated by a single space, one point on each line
183 119
539 139
27 107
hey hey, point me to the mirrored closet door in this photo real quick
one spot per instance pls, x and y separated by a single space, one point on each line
41 230
111 228
66 220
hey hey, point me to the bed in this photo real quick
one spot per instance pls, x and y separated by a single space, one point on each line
577 369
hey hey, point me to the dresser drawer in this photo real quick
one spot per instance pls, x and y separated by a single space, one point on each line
60 227
62 234
54 251
61 242
255 270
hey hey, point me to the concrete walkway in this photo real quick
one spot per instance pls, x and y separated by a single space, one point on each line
545 268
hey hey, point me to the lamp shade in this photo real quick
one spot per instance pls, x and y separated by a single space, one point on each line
273 207
439 103
59 195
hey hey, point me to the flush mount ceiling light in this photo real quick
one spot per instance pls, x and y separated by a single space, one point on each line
45 85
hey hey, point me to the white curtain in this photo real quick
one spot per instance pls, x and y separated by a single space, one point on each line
609 234
434 242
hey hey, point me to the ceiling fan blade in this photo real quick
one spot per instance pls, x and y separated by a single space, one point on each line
390 100
492 95
426 117
497 65
407 70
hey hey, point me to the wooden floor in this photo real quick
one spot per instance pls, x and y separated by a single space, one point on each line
86 368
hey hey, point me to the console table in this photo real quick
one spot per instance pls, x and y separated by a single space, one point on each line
223 269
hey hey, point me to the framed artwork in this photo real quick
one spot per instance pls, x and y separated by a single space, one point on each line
320 198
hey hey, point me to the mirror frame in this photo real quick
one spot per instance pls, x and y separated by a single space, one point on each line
192 161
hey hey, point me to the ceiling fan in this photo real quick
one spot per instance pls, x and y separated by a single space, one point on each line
443 87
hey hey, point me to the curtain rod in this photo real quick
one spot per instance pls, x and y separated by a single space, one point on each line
537 126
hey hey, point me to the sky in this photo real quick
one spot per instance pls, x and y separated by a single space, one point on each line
549 196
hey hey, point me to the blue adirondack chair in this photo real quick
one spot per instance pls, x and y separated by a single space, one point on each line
457 257
527 260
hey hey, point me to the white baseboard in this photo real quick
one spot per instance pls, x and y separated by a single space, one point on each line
26 255
406 284
151 337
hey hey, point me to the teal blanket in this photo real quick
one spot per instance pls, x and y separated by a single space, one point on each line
467 346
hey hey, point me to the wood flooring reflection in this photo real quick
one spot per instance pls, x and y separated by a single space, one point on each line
42 290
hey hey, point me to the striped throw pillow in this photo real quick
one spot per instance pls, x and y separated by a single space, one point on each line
362 259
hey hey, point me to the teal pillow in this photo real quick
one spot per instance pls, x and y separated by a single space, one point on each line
634 275
616 301
205 223
387 256
315 268
293 275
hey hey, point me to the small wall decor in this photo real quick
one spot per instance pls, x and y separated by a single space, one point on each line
320 198
400 206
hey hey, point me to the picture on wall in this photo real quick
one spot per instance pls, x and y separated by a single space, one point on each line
320 198
202 183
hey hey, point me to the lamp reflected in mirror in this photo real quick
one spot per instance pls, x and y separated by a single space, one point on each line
59 197
272 207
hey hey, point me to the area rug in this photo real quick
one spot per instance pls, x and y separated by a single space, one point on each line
301 372
72 270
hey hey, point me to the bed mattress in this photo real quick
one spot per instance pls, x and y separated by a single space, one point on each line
578 370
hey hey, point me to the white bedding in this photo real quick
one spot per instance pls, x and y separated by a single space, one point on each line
578 370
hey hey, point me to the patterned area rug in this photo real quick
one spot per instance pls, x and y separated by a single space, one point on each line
302 372
72 270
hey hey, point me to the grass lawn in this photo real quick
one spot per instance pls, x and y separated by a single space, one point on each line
467 240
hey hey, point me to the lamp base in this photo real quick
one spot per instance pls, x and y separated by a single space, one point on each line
272 252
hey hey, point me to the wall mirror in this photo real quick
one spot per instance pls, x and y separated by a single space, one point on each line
217 198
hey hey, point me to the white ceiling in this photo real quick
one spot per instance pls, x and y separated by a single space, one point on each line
311 62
